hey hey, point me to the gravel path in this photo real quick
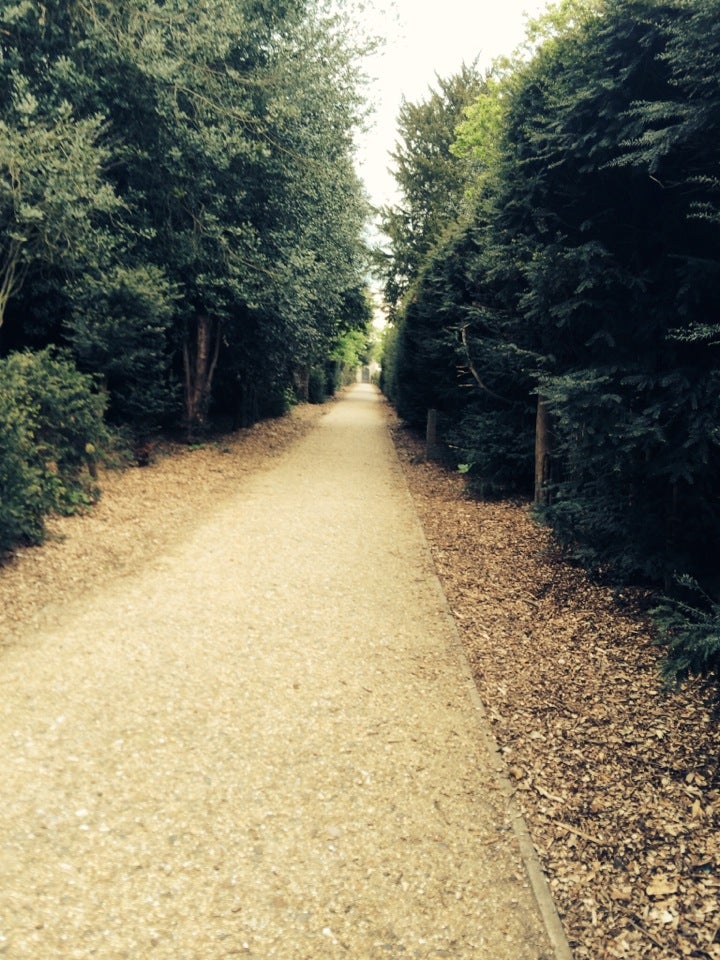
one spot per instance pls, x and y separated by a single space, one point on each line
263 743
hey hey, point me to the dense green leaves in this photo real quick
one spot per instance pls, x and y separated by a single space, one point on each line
51 421
586 276
119 329
220 240
690 632
52 192
178 208
430 179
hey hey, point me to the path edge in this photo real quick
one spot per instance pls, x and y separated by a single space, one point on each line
536 875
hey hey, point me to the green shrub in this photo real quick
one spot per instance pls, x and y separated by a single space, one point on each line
337 375
690 631
51 426
23 494
317 385
119 329
496 448
275 400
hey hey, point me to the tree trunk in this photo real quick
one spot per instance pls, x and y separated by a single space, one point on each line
200 360
672 535
543 453
247 409
301 382
12 275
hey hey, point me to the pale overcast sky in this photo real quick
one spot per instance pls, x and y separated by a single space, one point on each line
425 38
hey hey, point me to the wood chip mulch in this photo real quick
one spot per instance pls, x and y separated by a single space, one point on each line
618 779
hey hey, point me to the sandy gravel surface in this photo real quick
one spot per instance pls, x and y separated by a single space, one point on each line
262 741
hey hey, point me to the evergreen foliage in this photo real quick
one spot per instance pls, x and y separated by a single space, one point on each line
119 328
431 180
582 275
690 631
178 202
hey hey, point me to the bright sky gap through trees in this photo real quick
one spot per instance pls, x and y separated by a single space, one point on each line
425 38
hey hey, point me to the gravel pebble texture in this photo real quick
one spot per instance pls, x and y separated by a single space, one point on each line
262 743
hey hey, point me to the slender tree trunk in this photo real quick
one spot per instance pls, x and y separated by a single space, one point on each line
301 382
247 410
12 276
200 361
671 539
543 453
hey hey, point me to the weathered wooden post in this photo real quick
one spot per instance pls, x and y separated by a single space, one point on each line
432 448
543 453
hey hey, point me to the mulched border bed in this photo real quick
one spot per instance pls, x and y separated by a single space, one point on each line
618 778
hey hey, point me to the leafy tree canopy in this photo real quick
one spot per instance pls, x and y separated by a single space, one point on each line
221 139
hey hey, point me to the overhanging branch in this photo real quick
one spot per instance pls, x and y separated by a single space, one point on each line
475 375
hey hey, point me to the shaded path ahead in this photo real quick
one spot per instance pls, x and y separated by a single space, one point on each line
264 743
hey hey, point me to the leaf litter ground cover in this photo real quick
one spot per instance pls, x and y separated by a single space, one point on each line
618 779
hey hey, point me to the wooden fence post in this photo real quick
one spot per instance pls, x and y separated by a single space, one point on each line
543 453
432 448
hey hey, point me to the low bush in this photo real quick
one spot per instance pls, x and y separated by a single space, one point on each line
690 632
51 430
317 385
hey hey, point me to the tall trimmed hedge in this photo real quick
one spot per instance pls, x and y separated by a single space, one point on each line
585 283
